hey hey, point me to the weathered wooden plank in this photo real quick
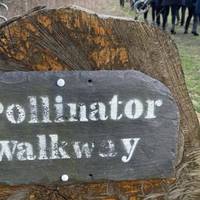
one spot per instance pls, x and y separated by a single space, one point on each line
113 125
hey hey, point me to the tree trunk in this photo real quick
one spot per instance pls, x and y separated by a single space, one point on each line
72 39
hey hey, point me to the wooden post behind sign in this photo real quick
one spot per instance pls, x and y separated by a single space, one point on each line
71 39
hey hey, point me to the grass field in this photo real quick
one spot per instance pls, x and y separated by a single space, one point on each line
189 48
188 45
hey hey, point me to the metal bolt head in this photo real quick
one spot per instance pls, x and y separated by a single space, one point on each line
64 177
60 82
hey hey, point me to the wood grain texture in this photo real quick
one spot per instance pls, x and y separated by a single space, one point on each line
70 39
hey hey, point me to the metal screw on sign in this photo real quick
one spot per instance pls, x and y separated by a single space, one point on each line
64 177
61 82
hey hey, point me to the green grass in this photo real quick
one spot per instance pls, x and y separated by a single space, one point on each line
188 45
189 49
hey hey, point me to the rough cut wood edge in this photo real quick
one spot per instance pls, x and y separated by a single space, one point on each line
36 41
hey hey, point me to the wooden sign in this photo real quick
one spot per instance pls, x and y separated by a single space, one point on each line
82 126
